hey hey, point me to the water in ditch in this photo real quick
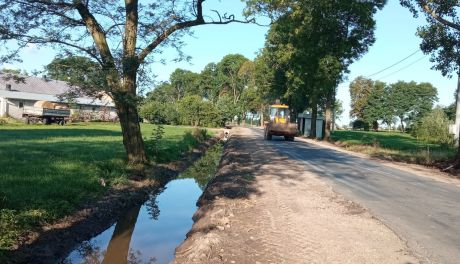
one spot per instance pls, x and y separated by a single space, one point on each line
150 232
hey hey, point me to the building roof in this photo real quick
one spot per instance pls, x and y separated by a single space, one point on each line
36 88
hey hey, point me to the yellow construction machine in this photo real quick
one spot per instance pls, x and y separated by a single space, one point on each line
279 124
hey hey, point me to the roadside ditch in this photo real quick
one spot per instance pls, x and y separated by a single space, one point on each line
108 225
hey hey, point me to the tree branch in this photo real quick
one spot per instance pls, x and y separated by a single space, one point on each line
97 33
130 38
199 20
438 18
38 40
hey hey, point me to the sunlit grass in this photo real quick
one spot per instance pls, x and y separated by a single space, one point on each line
394 146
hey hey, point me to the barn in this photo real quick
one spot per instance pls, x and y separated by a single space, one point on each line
17 92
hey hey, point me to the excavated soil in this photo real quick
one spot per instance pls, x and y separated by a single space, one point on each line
262 207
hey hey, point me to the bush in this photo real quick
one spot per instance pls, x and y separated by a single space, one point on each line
160 113
360 124
153 144
434 127
200 134
190 110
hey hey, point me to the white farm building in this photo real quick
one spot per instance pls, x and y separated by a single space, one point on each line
25 91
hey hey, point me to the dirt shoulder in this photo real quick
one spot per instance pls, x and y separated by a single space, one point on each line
55 241
264 208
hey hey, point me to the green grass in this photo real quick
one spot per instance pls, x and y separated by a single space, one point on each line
394 146
47 171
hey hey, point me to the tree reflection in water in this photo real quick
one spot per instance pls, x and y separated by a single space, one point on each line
152 205
118 250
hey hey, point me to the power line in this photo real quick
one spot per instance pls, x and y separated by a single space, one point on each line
391 66
403 68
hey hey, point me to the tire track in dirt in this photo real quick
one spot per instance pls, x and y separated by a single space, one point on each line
300 247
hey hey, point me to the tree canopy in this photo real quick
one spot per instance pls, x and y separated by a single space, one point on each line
374 101
441 39
220 92
441 36
312 43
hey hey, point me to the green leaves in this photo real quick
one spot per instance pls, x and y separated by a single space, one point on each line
230 88
312 43
434 128
376 101
83 74
440 37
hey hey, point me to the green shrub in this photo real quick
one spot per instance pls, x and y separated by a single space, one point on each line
160 113
200 134
434 127
360 124
153 144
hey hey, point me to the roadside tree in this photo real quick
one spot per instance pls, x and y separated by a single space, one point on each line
378 106
184 83
230 80
312 38
410 101
360 92
441 39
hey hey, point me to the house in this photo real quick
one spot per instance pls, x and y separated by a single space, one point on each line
15 93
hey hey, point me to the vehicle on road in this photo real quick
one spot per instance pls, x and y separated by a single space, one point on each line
279 124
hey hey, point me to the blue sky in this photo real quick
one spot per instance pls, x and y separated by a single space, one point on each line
395 36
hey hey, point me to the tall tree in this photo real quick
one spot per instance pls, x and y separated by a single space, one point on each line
209 83
119 35
410 101
184 83
360 92
378 106
228 70
311 38
441 39
264 78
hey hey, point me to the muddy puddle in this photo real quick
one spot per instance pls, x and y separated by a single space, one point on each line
150 232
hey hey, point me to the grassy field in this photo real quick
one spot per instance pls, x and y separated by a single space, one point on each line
394 146
46 171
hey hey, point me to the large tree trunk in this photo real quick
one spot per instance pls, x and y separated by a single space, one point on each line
314 116
262 116
132 137
328 116
375 125
402 124
125 102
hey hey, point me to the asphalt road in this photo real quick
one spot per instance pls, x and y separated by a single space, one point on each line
423 211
